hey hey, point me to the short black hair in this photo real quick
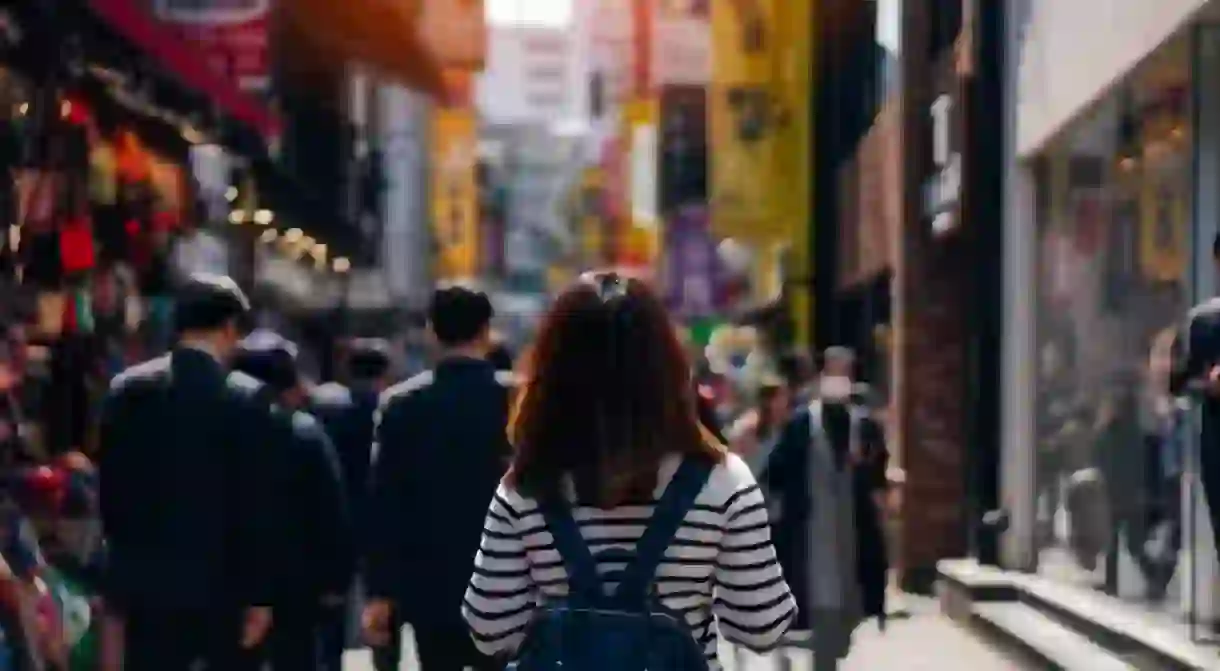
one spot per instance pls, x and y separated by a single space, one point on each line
1216 246
269 358
459 314
368 358
207 302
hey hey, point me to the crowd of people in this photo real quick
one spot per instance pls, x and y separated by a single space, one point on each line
246 515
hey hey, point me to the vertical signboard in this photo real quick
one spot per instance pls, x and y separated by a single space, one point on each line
455 192
232 36
681 43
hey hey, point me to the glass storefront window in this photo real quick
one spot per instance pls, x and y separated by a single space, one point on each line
1114 204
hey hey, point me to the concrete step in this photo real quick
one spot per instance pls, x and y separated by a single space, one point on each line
1043 640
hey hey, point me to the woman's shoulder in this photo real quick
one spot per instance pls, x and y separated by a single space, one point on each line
729 479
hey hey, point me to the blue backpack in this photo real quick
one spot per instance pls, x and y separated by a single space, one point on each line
627 629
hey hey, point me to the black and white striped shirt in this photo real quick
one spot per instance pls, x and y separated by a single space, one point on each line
721 571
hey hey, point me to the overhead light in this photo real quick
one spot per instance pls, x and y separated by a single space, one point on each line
264 217
341 264
23 109
65 109
319 252
269 235
231 194
237 217
293 235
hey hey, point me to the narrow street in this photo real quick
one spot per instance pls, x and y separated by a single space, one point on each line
927 641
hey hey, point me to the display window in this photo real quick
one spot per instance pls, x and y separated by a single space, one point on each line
1113 215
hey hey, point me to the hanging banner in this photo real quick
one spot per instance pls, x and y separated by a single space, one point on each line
231 36
640 137
455 192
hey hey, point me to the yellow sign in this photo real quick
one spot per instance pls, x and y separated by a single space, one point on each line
455 192
744 117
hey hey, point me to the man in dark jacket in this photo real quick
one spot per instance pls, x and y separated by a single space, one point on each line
1196 373
316 530
440 450
184 461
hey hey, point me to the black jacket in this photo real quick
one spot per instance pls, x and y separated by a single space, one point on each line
317 530
347 416
187 452
440 452
785 480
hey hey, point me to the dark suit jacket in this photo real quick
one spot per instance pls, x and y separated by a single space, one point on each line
317 530
441 451
347 416
785 479
186 455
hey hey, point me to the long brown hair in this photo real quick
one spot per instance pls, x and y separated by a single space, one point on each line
606 394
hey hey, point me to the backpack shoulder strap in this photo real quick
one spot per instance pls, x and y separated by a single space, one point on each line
584 584
666 519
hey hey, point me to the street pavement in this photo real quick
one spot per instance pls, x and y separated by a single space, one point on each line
926 641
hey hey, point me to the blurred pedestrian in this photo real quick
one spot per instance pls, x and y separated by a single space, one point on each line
612 469
318 544
184 466
347 414
440 450
755 433
828 535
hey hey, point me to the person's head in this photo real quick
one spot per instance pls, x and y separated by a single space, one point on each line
460 319
368 362
774 403
607 394
271 359
209 310
836 380
1216 249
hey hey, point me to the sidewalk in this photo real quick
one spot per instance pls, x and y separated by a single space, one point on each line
925 642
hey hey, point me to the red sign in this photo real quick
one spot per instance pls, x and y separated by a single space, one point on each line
232 36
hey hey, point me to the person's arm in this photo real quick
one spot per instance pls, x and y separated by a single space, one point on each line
332 519
1190 361
115 466
500 600
259 499
753 604
389 499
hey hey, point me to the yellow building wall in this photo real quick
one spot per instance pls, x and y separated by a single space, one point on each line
762 187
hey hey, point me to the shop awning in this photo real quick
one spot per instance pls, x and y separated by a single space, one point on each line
382 34
131 20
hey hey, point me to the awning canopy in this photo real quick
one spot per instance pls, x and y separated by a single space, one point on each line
382 34
131 21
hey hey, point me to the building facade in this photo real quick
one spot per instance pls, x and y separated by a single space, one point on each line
1112 183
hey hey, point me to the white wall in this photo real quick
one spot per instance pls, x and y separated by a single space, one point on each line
1071 51
531 76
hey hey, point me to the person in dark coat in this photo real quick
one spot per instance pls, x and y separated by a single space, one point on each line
346 412
184 462
441 450
317 536
857 445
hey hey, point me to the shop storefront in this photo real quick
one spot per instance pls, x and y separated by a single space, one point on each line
1113 216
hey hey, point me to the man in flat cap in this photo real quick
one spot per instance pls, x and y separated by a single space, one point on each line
183 466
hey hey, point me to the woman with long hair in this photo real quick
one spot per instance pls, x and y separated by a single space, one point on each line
605 420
